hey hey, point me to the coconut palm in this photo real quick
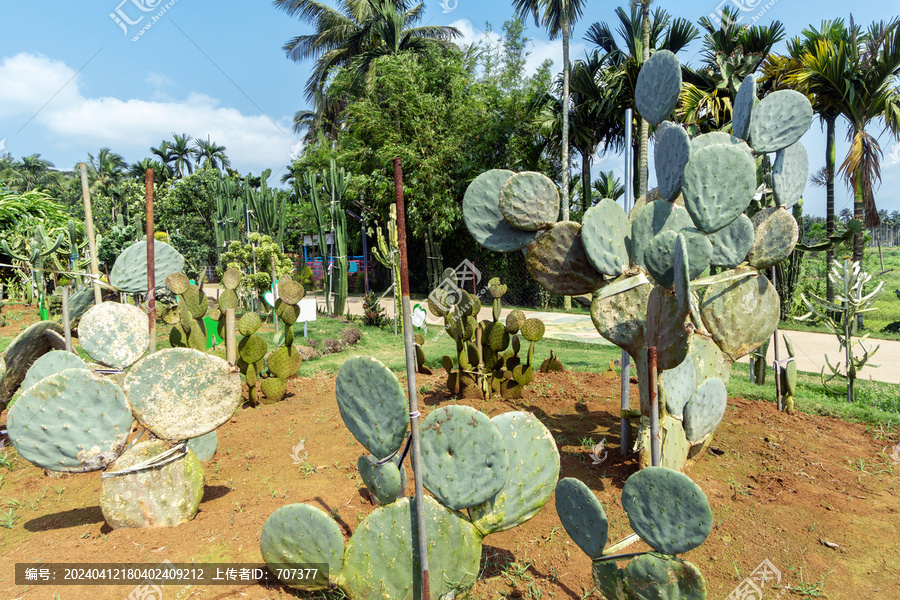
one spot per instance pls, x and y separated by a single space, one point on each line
557 16
211 154
356 28
608 186
31 173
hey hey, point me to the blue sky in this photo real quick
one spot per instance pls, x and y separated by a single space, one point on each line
73 80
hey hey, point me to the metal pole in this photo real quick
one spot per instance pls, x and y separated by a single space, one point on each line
625 424
65 317
89 232
411 376
654 408
151 260
777 364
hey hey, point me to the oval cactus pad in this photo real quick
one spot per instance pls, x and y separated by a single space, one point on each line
743 107
463 456
179 393
71 421
658 86
49 364
558 261
719 182
582 515
299 534
705 410
789 174
779 120
603 232
667 510
372 404
129 273
529 201
114 334
481 213
671 154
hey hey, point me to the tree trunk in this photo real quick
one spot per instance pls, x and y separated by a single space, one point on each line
830 158
645 126
567 301
586 182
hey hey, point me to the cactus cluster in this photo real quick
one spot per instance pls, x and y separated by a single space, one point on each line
487 351
645 269
667 510
74 419
284 362
190 332
487 475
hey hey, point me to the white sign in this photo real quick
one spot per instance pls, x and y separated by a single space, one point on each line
307 310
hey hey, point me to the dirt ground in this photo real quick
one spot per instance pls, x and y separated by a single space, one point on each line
814 496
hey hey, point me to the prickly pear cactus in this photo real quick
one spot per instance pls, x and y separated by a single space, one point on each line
194 305
251 351
129 273
647 272
502 469
153 496
114 334
284 362
49 364
667 510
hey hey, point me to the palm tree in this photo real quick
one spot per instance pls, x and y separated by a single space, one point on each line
31 173
356 29
664 33
107 170
182 153
557 16
212 154
609 186
855 75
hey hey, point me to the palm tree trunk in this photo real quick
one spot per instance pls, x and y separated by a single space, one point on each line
830 157
567 301
858 213
645 126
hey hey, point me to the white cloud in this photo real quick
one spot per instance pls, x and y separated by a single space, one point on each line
159 80
132 126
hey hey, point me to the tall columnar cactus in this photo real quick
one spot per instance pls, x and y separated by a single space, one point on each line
311 181
644 269
336 183
667 510
229 212
387 252
267 210
39 248
486 475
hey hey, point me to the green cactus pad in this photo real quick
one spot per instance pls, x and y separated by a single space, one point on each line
381 561
529 201
666 328
789 174
659 256
252 348
667 510
372 404
731 244
740 314
249 323
204 446
788 378
621 318
533 330
714 138
383 481
779 120
114 334
79 303
284 362
709 360
464 458
658 86
178 283
675 446
775 236
719 182
196 301
557 260
481 213
582 515
533 471
514 321
705 410
651 219
228 299
608 579
49 364
72 421
744 102
603 232
671 154
129 273
300 534
498 338
273 388
681 273
496 289
231 279
676 386
178 393
291 292
163 496
658 577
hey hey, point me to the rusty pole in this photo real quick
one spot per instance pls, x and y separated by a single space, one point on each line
654 408
89 233
411 376
151 260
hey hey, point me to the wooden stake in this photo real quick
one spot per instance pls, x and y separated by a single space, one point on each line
65 317
230 341
89 232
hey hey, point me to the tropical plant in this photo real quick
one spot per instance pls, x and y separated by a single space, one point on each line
31 173
182 154
211 154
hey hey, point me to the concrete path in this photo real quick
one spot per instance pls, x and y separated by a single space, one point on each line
811 348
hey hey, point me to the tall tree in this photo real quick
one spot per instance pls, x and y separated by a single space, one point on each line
182 154
31 173
211 154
